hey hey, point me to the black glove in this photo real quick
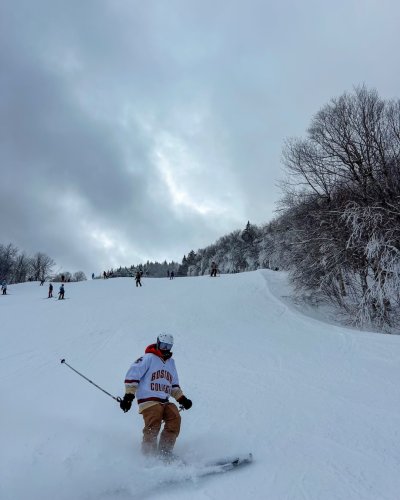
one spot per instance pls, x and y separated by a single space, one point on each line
126 403
185 402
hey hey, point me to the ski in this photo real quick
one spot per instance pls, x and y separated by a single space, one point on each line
233 461
209 468
225 464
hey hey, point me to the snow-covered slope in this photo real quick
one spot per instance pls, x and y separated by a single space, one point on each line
318 405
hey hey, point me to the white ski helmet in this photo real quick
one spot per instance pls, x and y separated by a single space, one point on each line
165 341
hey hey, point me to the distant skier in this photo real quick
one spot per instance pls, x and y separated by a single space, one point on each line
172 275
42 282
153 378
4 287
92 276
138 277
50 291
213 269
61 292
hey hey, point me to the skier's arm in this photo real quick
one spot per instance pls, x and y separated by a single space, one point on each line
135 374
176 391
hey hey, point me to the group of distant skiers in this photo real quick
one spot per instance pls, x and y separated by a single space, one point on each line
138 277
61 291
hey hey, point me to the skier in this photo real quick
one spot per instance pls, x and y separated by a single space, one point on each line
172 275
153 378
138 276
4 287
42 282
213 269
61 292
50 291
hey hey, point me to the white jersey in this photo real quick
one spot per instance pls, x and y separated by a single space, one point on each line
152 378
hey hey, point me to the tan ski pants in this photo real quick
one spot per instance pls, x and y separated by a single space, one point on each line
153 418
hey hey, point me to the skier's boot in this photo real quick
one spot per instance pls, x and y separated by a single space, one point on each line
167 456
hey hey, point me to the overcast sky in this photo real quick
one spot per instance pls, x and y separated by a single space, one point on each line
134 130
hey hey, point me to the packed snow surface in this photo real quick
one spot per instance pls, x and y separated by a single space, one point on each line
317 404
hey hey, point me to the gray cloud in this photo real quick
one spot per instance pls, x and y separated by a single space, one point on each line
133 131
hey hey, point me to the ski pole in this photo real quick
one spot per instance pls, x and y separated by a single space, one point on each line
98 387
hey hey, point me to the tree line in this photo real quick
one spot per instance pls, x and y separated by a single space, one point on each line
18 267
149 269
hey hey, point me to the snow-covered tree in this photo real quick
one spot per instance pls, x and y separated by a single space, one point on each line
342 204
41 266
79 276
